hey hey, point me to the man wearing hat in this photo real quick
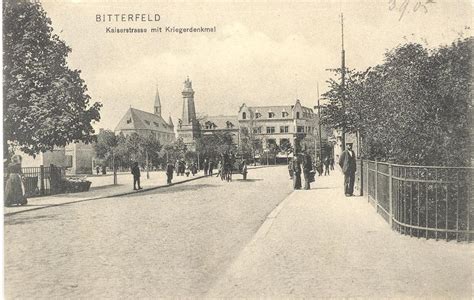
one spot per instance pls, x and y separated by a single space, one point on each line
347 161
136 176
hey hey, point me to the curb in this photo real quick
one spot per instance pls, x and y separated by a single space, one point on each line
267 224
104 197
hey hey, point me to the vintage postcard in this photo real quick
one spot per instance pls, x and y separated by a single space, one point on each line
237 149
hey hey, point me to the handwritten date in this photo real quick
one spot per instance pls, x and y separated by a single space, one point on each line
405 6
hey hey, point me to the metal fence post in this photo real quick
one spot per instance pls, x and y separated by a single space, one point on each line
376 185
390 210
361 177
368 182
42 180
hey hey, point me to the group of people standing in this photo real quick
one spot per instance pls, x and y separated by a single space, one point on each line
302 164
208 166
187 168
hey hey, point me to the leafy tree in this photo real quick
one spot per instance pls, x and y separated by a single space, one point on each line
413 108
250 144
45 102
215 144
106 143
175 150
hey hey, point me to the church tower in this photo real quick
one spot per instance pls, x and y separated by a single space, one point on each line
157 109
188 127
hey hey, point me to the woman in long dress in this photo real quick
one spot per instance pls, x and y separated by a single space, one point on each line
14 188
297 173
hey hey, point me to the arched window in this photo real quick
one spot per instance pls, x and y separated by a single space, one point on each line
244 115
297 114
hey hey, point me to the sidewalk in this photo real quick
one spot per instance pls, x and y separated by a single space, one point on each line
102 187
320 244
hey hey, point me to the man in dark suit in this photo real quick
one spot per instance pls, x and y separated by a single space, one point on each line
169 172
347 161
136 176
307 167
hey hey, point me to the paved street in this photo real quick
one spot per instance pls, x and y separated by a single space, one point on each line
212 239
170 242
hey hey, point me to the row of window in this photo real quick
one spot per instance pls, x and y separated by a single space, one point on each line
272 115
284 129
146 122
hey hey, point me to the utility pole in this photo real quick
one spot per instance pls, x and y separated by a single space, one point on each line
147 166
319 128
343 86
115 169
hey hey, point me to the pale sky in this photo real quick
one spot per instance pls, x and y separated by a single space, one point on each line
265 53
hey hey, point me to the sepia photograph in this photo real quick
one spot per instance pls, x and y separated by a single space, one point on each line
201 149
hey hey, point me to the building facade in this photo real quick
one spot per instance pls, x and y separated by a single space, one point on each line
145 123
278 125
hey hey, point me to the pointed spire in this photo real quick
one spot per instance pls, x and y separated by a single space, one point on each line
157 102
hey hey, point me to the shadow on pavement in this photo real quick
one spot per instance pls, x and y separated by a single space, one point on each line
28 220
248 180
173 189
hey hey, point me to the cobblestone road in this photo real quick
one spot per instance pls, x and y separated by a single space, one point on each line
171 242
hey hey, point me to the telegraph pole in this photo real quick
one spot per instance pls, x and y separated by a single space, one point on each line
319 128
147 165
343 86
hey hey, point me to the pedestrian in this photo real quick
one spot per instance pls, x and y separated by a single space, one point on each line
219 168
193 168
136 176
331 162
169 172
307 168
14 187
211 167
326 166
244 169
347 161
188 169
182 167
290 168
176 167
97 169
205 165
297 173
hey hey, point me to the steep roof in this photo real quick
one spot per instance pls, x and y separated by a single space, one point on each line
274 108
138 119
220 122
157 98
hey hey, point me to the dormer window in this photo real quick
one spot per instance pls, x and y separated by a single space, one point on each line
258 115
284 114
297 114
271 115
229 124
244 115
129 121
156 124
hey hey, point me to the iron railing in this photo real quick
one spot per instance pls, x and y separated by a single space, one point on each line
42 181
421 201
